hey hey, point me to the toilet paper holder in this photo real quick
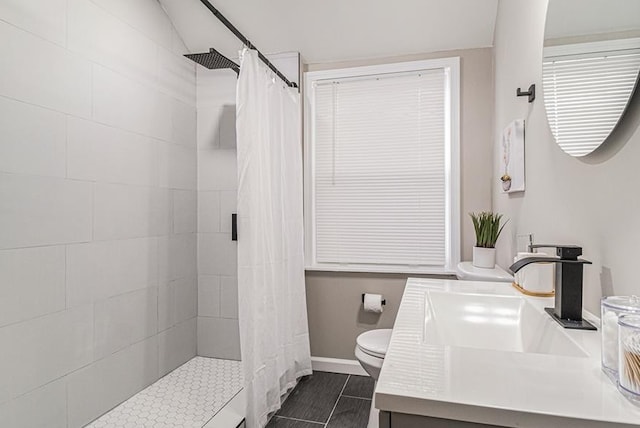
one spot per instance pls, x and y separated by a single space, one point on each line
384 301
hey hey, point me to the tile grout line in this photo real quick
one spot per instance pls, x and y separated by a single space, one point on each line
298 420
95 121
337 399
66 403
358 398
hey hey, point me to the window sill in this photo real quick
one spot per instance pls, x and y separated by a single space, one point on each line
407 270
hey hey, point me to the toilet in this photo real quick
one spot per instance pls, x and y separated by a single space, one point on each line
371 347
466 271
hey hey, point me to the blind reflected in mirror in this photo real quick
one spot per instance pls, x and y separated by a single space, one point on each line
591 62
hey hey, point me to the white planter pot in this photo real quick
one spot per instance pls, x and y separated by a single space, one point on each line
484 257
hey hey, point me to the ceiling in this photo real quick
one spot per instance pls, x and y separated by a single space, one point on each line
337 30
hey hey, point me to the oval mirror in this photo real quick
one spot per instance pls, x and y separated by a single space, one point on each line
590 66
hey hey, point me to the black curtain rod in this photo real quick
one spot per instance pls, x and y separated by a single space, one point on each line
246 41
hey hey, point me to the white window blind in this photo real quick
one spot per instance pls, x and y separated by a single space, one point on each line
381 162
586 94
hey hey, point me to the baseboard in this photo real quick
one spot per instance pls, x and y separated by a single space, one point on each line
337 365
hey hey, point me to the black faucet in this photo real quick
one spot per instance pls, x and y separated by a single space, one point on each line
568 294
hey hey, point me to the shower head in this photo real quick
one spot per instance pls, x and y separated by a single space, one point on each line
214 60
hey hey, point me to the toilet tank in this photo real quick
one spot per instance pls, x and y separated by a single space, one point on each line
466 271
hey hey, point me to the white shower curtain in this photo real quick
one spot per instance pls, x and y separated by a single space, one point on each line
274 333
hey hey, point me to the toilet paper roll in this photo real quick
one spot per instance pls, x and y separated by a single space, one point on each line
536 277
373 303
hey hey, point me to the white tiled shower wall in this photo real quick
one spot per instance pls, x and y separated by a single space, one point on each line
98 245
218 334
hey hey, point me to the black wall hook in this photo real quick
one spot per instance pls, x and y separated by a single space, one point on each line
531 93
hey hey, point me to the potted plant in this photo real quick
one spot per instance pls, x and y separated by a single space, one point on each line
487 227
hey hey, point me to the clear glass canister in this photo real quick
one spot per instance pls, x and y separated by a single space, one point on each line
629 356
611 308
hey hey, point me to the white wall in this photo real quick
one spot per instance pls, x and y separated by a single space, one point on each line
592 202
589 18
98 214
218 332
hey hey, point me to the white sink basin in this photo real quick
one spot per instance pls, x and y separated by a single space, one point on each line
503 323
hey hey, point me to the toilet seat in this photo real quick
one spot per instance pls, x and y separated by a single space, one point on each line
374 342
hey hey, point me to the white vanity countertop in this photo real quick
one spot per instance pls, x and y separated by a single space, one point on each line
512 389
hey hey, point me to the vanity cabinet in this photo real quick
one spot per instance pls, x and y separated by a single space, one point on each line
402 420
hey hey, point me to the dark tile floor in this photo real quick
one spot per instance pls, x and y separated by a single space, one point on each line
328 400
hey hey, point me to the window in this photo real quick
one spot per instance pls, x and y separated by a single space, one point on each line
382 168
